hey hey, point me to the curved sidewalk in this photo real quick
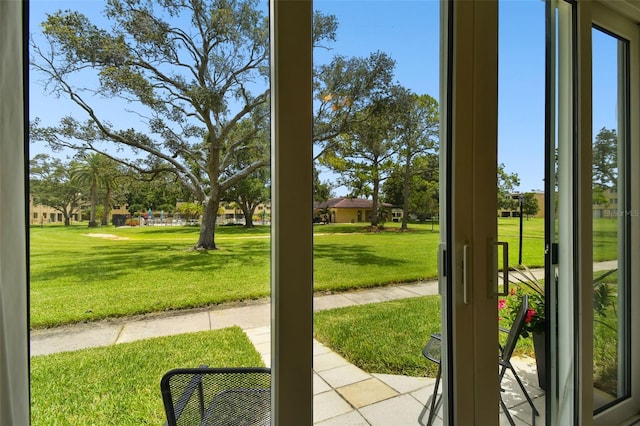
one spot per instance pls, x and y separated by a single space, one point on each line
247 316
343 393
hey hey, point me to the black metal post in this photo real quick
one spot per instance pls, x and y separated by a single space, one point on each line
520 200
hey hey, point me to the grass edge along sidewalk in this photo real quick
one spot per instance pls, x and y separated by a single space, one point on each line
76 278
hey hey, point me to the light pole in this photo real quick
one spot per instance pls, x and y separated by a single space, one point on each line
520 202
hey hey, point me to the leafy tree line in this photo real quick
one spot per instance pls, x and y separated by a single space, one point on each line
196 74
67 186
389 135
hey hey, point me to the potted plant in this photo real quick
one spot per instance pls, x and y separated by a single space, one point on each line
524 281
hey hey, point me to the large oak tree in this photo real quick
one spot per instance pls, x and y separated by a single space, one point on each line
189 70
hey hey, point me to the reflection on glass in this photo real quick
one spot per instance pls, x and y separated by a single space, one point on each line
610 219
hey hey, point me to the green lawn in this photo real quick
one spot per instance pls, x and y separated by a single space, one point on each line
383 337
78 278
120 384
388 337
75 277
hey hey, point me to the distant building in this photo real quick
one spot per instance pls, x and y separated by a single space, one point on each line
40 214
539 195
607 205
230 213
349 210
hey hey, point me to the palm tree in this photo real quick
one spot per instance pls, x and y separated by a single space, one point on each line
110 172
88 171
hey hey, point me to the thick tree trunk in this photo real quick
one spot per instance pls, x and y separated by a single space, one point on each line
94 202
248 215
405 193
106 208
206 240
374 212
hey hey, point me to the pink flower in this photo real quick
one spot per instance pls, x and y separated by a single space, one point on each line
530 314
502 303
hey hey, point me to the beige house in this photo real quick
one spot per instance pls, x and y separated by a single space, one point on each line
230 213
348 210
40 214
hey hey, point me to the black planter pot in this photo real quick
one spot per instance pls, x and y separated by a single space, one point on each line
541 360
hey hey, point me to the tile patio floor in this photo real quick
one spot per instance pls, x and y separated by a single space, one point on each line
345 395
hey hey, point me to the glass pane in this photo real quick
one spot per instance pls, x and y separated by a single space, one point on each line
376 227
611 217
521 201
150 200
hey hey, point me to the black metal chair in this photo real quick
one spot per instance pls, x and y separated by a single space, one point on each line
432 352
217 396
505 358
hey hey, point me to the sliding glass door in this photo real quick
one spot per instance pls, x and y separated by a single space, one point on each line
614 186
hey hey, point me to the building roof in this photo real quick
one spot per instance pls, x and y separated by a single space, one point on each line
348 203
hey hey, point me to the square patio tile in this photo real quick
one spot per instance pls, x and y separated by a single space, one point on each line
422 395
512 394
327 405
344 375
352 418
259 335
319 348
328 361
366 392
518 421
405 384
522 412
319 385
402 410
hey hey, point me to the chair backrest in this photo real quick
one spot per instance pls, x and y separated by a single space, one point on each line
217 396
516 329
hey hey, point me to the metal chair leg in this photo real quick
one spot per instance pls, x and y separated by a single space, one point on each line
506 412
435 399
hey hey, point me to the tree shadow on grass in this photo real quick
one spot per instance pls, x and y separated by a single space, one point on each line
112 261
195 230
355 254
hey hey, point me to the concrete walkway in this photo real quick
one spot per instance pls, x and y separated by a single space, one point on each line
343 393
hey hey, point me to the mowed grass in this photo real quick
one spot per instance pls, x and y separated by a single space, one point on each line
77 278
385 337
388 337
120 384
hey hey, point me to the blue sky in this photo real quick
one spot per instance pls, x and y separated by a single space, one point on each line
409 32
